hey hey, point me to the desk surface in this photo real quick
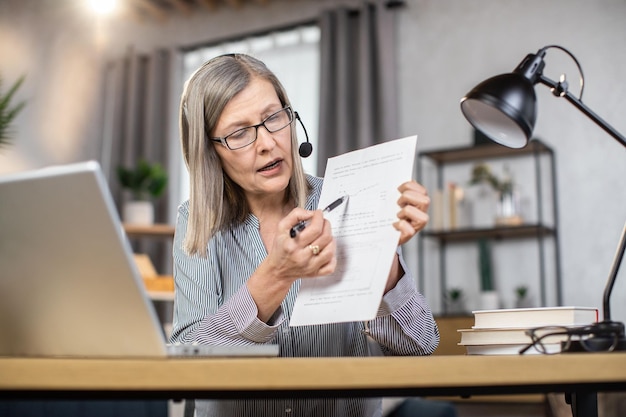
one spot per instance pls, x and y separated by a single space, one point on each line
280 377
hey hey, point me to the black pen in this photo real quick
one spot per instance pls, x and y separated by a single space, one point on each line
302 224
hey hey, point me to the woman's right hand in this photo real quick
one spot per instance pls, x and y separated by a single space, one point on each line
310 253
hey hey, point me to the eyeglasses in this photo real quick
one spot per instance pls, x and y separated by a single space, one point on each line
245 136
557 339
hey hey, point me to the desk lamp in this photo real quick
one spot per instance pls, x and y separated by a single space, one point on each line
504 109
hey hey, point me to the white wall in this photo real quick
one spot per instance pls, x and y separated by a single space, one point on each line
58 55
444 48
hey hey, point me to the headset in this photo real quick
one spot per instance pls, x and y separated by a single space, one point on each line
305 148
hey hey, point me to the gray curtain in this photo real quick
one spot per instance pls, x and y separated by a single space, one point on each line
136 116
135 125
358 82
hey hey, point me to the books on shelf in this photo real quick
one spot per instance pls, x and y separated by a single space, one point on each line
503 331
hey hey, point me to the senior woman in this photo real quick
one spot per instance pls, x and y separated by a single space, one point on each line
237 269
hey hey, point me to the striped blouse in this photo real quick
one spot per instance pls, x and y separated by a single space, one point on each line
213 306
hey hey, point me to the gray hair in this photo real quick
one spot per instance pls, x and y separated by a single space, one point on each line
215 201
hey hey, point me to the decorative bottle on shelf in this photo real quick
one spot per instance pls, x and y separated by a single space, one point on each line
508 208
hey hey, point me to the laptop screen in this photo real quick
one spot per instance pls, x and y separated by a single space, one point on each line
68 283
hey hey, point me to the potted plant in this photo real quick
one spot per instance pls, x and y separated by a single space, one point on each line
8 112
455 303
145 182
521 297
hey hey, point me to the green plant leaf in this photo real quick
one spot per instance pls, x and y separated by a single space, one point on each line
481 173
521 291
484 265
455 294
8 113
144 180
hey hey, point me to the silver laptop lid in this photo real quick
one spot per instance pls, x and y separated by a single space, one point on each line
68 283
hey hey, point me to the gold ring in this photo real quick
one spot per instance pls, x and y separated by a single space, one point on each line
315 249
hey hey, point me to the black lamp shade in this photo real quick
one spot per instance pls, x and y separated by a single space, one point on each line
503 108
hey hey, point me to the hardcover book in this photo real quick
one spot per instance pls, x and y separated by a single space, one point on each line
503 331
504 336
535 317
510 349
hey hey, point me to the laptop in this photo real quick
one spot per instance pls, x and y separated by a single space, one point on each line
69 286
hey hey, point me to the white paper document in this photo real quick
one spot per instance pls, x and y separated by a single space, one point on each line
363 230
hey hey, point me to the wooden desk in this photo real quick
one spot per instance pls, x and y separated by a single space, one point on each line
582 375
449 337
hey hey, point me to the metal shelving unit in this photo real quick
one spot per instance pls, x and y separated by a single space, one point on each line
538 230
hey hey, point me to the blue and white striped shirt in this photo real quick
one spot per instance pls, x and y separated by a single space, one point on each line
213 306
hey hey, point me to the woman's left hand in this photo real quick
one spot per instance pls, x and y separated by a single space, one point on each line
412 218
413 214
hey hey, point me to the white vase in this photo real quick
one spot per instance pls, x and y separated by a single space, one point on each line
523 302
455 307
138 212
489 300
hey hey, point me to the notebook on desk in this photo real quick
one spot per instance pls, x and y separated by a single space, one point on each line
68 282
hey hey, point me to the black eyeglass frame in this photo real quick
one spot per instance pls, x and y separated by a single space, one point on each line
224 140
579 339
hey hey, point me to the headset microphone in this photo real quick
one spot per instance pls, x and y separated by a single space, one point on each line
305 148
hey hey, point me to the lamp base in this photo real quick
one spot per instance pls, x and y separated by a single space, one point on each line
606 336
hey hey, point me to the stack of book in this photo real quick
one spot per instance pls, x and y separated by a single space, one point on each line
503 331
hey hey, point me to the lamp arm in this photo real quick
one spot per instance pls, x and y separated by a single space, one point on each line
560 90
583 108
621 248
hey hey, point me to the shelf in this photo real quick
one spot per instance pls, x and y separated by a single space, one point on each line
161 287
502 232
542 157
161 295
487 151
155 230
